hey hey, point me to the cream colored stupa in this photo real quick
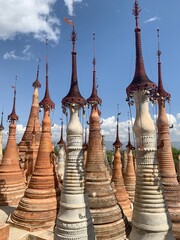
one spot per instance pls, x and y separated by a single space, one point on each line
74 219
151 219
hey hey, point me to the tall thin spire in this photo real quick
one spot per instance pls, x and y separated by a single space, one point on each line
129 145
36 83
94 99
161 92
117 143
140 80
13 116
74 95
1 125
47 102
61 141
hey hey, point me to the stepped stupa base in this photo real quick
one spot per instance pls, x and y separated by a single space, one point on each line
138 234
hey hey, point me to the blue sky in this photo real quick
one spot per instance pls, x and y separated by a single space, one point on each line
24 25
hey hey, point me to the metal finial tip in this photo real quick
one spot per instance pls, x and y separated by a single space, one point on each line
136 9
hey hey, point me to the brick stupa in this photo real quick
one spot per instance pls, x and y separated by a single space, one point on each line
1 137
74 219
109 219
124 162
38 207
12 183
165 157
33 119
150 218
130 176
117 178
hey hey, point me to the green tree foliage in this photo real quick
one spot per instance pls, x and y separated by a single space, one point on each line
175 153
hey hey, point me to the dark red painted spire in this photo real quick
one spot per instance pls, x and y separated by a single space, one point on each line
61 141
117 143
161 92
1 125
13 116
140 80
94 99
47 102
37 84
129 145
74 96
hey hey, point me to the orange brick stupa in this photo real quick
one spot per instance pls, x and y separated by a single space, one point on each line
165 157
38 207
130 177
109 220
117 178
12 183
33 120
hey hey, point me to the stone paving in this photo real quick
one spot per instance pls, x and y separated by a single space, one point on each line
21 234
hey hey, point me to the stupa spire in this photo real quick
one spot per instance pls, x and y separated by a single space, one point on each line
117 143
74 95
165 156
46 101
1 125
13 116
140 80
162 93
74 218
94 99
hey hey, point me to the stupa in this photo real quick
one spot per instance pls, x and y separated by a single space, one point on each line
61 155
38 207
74 219
33 119
124 162
165 157
1 137
117 178
85 147
130 176
105 156
150 218
12 183
109 219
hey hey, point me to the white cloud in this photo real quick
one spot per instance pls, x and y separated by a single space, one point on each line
69 5
28 17
24 55
153 19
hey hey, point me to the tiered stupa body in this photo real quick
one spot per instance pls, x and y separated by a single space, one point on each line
165 157
12 183
74 218
105 157
61 155
178 169
38 207
109 220
117 178
130 176
124 162
1 138
150 218
33 119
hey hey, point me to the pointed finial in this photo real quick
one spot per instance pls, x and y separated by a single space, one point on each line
61 141
1 125
117 143
13 116
136 11
47 103
94 99
37 84
129 145
159 51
